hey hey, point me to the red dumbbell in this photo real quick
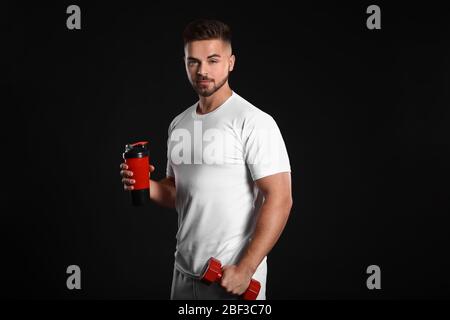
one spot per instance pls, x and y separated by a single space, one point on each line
213 273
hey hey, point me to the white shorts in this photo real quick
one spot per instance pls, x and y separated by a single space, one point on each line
185 287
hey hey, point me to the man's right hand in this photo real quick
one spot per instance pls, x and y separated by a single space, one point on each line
127 176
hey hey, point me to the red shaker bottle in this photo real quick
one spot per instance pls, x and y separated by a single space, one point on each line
136 157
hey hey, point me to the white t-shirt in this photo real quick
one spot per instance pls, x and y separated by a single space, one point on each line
215 158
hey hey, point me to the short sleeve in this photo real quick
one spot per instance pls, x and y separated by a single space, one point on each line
169 169
265 152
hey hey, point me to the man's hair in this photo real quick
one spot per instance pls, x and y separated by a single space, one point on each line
204 29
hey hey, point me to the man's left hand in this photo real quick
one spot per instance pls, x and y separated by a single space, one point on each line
235 279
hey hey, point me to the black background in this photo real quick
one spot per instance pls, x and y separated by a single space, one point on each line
364 114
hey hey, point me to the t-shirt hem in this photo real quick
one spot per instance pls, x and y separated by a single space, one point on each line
269 173
189 274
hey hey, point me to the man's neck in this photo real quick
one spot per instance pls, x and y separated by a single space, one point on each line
208 104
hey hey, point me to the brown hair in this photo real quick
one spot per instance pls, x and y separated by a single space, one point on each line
204 29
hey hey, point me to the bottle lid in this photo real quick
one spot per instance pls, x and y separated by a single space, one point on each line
136 150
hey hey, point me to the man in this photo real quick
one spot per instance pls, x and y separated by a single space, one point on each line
228 175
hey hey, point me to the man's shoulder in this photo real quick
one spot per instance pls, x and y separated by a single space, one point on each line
180 116
248 112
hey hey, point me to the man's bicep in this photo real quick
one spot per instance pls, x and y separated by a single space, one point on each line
277 186
170 179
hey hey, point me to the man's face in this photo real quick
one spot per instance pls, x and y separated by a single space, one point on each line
208 64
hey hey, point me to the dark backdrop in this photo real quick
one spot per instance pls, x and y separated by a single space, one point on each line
364 114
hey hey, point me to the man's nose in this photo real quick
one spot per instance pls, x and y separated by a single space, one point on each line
202 71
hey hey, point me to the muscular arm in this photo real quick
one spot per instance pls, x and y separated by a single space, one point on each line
163 192
272 219
273 216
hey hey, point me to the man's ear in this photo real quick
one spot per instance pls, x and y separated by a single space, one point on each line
232 61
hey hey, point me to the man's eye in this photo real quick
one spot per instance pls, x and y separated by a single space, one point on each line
192 62
213 61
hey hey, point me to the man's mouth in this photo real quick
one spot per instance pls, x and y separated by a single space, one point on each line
203 81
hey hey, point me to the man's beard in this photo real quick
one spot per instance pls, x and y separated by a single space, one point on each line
205 91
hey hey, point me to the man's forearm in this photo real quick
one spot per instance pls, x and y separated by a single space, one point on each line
272 219
163 192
